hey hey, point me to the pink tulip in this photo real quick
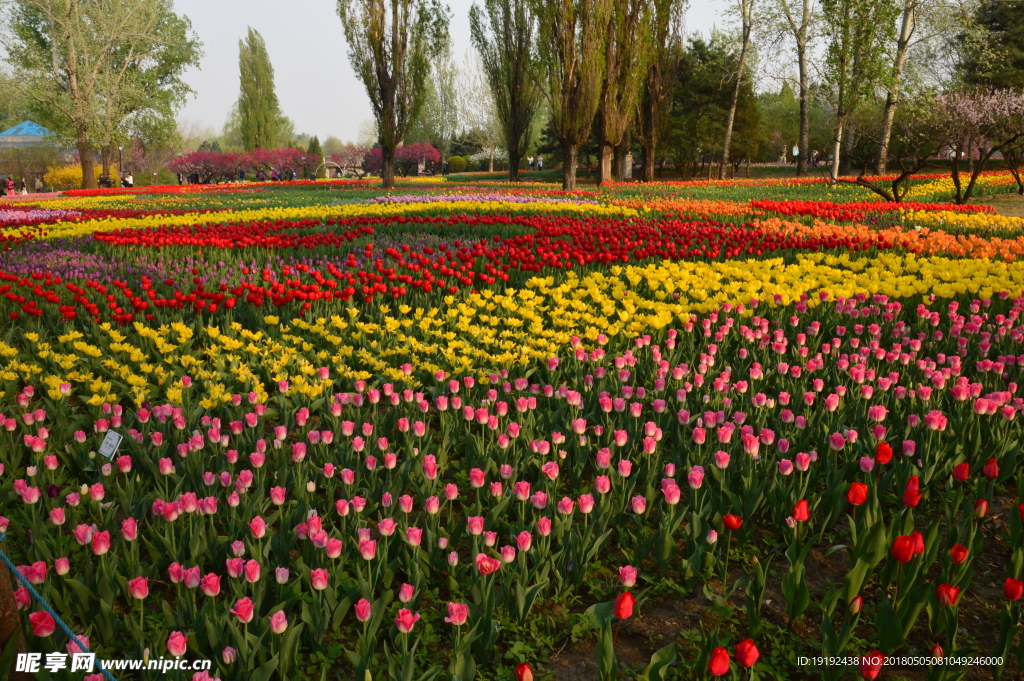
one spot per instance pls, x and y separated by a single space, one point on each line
278 622
138 588
837 441
62 566
625 467
524 540
406 620
414 536
319 579
406 593
100 543
602 484
368 549
544 527
458 613
586 503
210 584
177 643
363 610
695 477
639 504
244 610
258 526
627 576
387 527
252 571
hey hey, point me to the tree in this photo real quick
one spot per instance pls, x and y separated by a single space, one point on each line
391 45
854 63
996 58
661 78
439 120
745 10
482 132
85 66
628 51
978 121
799 19
504 33
316 155
258 109
573 35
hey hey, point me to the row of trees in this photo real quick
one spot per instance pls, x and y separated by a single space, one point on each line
608 72
100 73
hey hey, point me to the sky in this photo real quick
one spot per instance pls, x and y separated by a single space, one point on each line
315 84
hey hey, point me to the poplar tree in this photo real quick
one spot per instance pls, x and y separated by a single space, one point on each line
259 111
504 33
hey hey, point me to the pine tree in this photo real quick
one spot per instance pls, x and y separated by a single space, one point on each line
259 111
316 152
996 55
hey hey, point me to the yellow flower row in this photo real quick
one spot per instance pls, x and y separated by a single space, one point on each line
470 334
974 221
70 229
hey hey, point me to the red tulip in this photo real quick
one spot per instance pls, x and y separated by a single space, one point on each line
523 672
961 471
871 665
948 594
719 663
991 469
857 494
1013 589
801 512
958 554
883 452
903 548
747 653
981 508
623 608
911 498
732 522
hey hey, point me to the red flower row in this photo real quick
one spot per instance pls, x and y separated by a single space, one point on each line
856 211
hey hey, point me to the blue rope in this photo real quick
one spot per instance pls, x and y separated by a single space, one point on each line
51 611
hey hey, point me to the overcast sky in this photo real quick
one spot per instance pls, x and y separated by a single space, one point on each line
315 84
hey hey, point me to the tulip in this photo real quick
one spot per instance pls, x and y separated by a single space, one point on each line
278 622
871 665
138 588
363 610
62 566
719 663
177 643
958 554
406 593
732 522
948 594
903 549
747 653
243 610
319 579
991 469
229 655
258 527
252 571
487 565
857 494
406 620
42 624
627 576
524 672
210 584
1013 589
100 543
624 604
458 613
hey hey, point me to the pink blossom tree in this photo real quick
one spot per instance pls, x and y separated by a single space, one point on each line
974 124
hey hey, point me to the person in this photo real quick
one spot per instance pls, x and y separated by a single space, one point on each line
10 186
261 176
39 185
445 168
540 163
273 176
241 175
129 181
24 187
529 160
295 175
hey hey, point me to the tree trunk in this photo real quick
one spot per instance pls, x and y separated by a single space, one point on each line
604 164
805 113
569 153
86 161
514 156
387 167
619 163
892 98
837 148
648 157
490 162
731 118
846 160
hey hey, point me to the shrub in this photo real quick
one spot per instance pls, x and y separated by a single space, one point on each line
457 164
70 176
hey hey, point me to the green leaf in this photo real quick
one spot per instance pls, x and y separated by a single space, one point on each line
660 662
265 671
